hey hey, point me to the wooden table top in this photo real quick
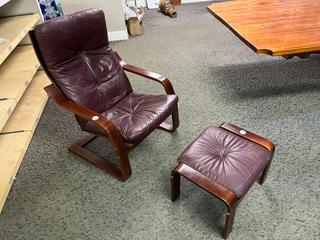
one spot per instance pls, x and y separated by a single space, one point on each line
275 27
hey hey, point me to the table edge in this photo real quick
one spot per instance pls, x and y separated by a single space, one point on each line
292 52
250 45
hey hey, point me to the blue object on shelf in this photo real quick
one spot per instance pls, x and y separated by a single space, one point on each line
50 9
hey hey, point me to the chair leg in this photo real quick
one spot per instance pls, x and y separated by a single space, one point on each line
175 185
121 172
175 119
264 173
229 222
175 122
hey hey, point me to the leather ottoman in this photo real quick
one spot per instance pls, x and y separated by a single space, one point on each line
225 161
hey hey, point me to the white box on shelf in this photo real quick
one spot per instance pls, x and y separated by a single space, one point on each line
141 3
3 2
153 4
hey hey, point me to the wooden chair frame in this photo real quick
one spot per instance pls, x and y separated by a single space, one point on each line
217 190
123 171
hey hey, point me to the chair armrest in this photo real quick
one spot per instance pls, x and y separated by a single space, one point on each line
81 111
147 74
249 136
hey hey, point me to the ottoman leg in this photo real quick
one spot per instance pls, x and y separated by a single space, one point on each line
175 185
264 173
229 222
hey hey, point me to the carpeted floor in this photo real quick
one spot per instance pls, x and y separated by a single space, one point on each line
218 78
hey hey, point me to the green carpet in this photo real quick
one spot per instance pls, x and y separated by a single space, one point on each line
218 78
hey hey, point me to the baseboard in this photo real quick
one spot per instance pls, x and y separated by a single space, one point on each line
193 1
118 35
143 3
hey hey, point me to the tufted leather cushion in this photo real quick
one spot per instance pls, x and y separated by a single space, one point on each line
226 158
137 115
79 59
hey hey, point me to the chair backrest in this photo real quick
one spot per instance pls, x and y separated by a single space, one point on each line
74 51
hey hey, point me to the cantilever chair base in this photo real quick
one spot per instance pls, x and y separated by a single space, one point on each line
112 169
122 171
175 122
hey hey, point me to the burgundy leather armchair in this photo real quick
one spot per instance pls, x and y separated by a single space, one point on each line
88 79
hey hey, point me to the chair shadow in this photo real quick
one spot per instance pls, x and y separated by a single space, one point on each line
278 77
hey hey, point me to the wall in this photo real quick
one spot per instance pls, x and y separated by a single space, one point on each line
113 9
117 29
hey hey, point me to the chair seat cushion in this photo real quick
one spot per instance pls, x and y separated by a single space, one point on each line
137 115
226 158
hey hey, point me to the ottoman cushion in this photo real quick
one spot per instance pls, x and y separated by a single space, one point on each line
228 159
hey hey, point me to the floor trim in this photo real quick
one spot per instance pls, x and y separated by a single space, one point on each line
118 35
192 1
144 4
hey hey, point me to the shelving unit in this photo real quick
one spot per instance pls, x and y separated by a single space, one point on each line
22 98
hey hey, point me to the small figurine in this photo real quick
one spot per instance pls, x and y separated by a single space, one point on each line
167 8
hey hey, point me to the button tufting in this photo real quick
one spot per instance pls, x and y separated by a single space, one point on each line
243 132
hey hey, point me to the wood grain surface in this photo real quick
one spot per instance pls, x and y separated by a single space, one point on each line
275 27
13 30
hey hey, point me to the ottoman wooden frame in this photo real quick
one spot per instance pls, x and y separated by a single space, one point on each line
217 190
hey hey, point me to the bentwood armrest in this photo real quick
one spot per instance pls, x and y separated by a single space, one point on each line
249 135
79 110
165 82
227 196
